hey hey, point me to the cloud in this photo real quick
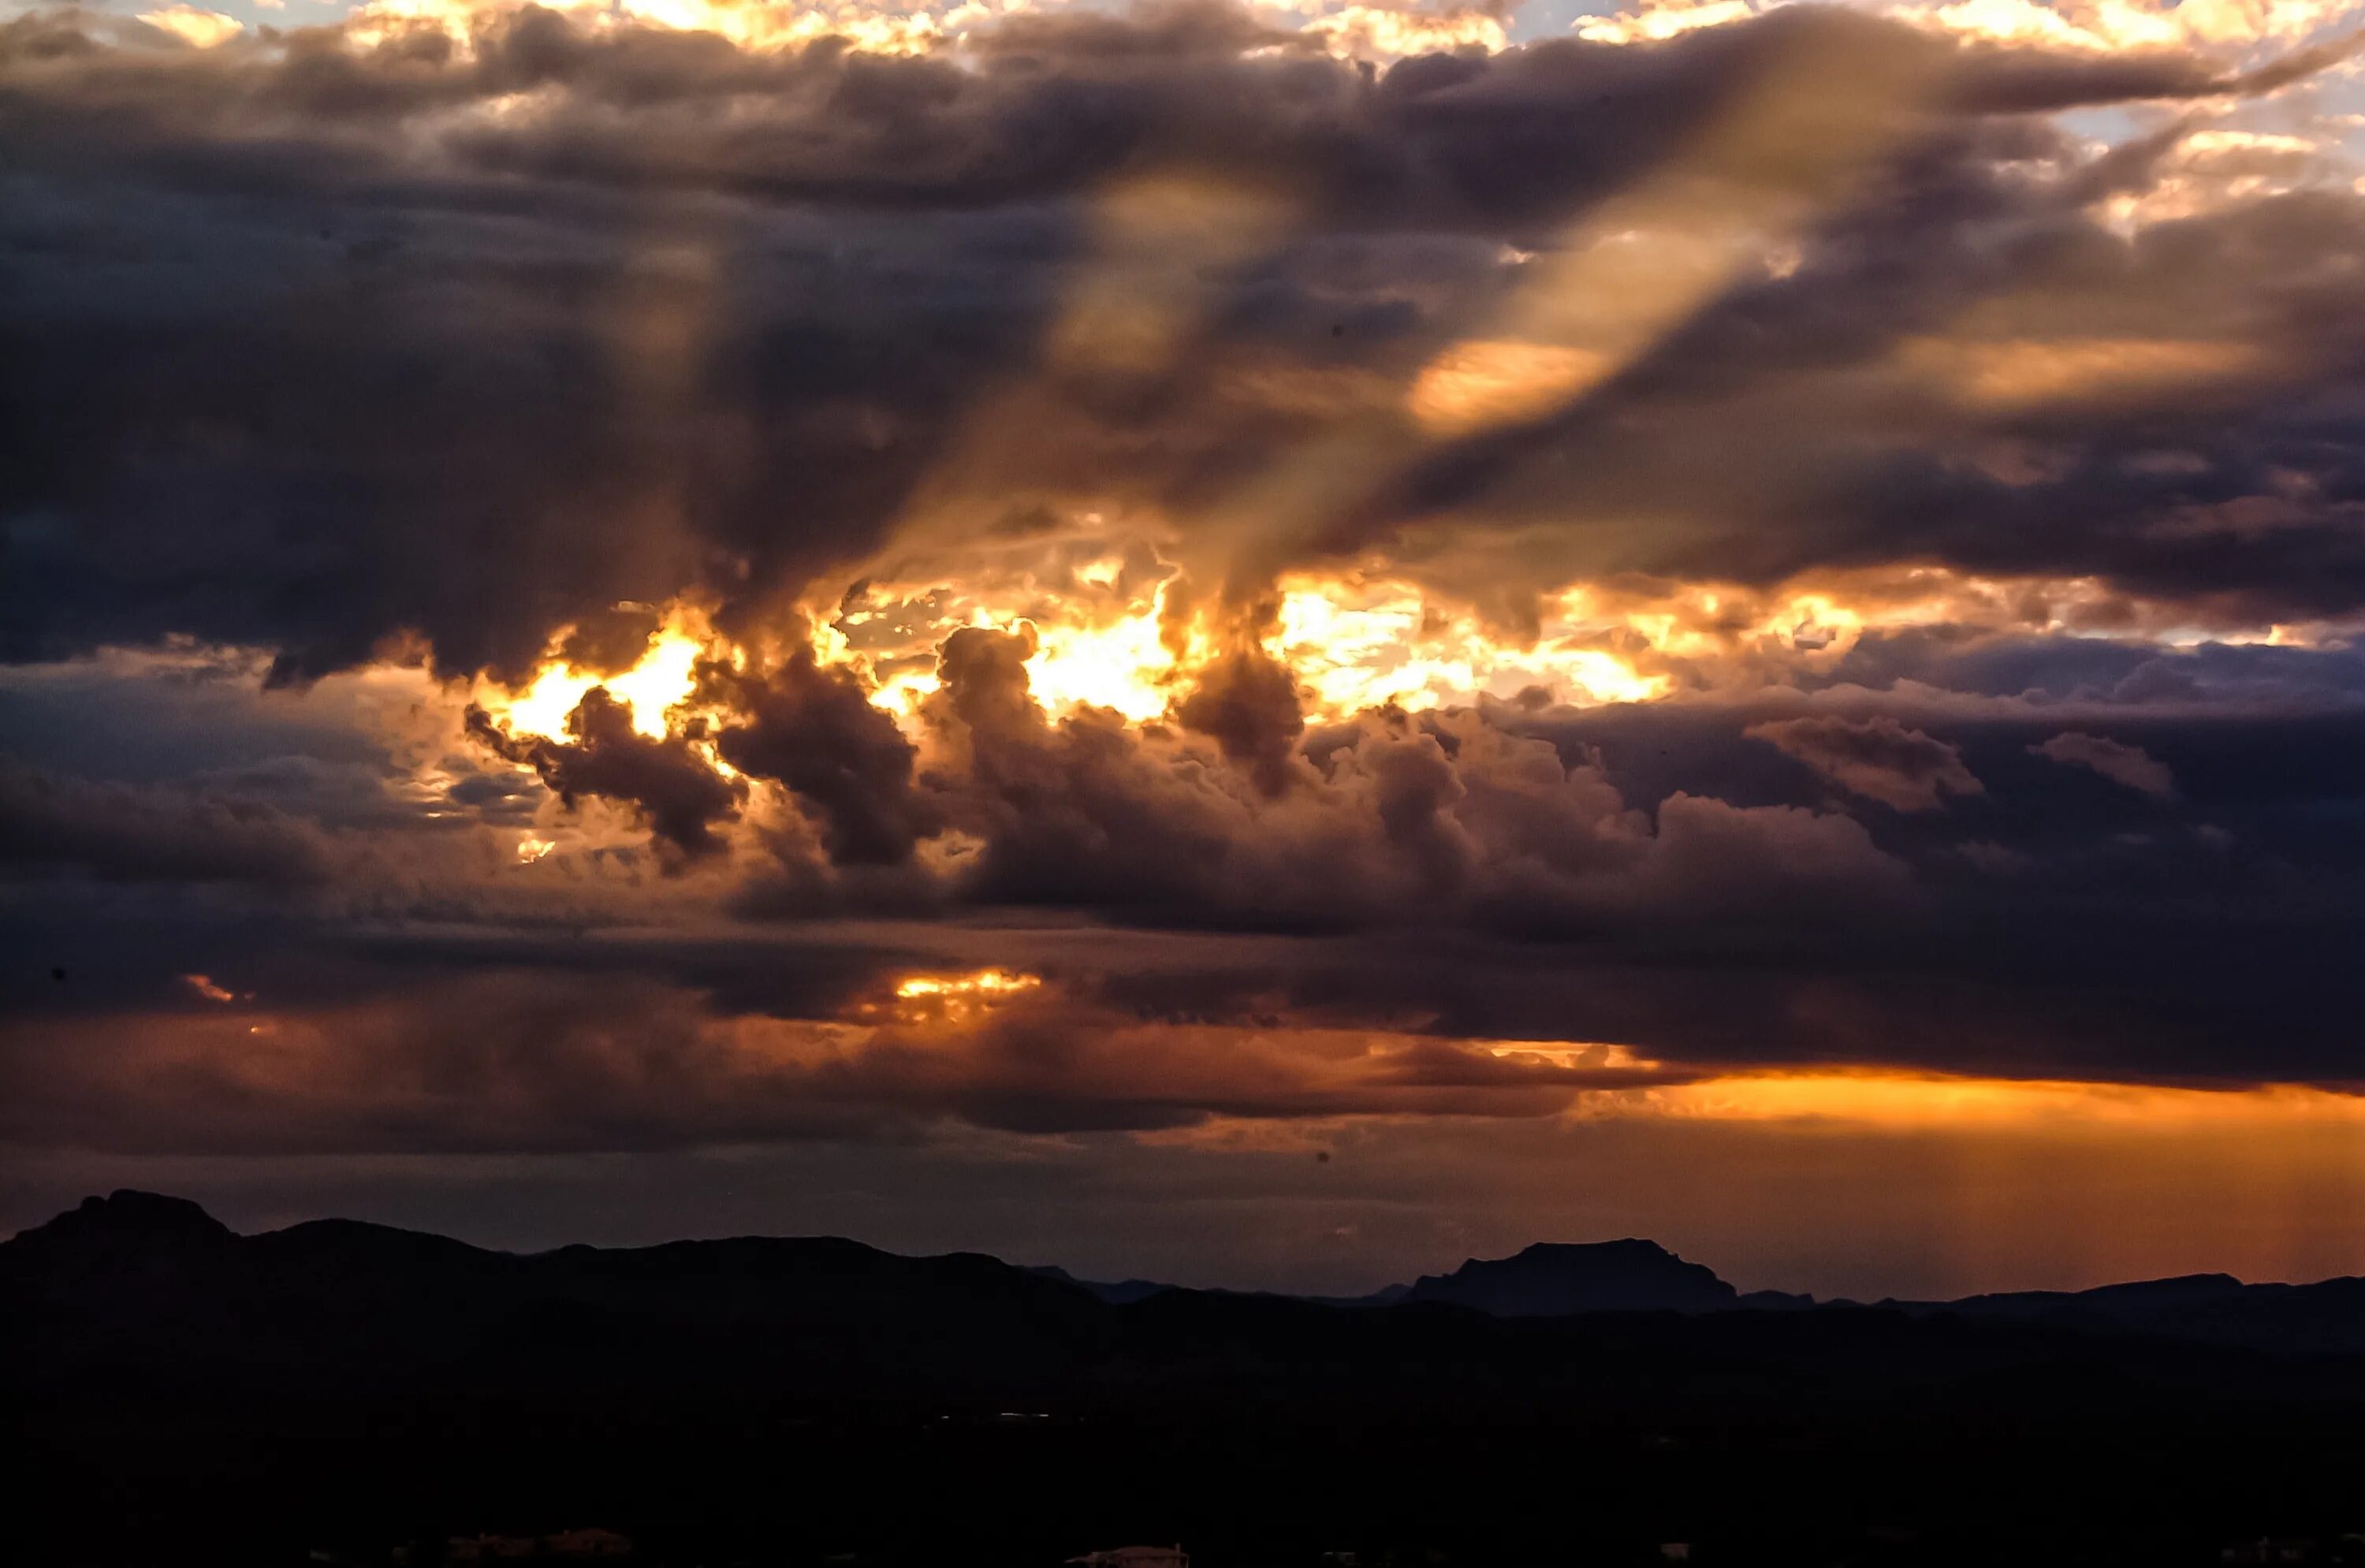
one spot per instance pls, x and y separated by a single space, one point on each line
120 832
1338 565
434 296
518 1061
679 794
2127 765
193 25
1247 702
816 732
1877 758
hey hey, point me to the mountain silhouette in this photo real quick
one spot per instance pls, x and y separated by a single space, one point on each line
1554 1278
140 1257
178 1392
1561 1278
2327 1317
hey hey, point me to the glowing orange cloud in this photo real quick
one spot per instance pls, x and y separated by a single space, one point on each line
1933 1102
980 982
2016 373
660 681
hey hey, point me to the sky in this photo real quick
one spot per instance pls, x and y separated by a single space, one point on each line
1265 645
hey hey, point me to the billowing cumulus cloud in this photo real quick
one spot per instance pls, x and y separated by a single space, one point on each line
1368 564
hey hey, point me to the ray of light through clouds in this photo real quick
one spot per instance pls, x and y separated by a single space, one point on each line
1735 621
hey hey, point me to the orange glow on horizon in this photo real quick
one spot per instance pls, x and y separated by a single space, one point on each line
1992 1183
1893 1101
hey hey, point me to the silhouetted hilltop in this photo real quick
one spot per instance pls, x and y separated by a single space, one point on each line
135 1278
126 1219
1116 1292
2326 1316
114 1252
1551 1279
134 1259
1557 1279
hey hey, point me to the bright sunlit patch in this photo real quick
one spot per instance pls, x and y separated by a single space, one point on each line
1105 635
1380 32
1652 23
1350 642
661 679
1097 624
1121 665
760 26
1112 627
978 983
194 25
956 997
1358 645
1473 385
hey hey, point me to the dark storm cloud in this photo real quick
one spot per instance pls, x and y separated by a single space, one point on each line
1885 402
1043 106
305 349
1248 703
817 732
680 796
2130 672
1649 874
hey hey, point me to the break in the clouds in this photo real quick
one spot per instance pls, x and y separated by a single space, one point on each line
639 580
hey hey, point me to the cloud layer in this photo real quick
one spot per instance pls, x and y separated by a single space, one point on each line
1383 573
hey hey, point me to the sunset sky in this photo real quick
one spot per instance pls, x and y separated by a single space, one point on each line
1264 644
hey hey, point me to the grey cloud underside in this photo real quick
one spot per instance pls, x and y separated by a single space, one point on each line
296 354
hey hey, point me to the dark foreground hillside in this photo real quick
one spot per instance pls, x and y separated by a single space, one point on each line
178 1394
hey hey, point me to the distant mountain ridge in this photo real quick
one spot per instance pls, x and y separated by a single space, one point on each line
1550 1279
176 1392
1555 1279
1558 1279
132 1250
